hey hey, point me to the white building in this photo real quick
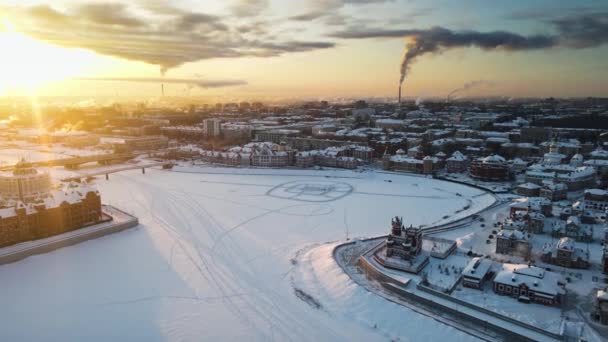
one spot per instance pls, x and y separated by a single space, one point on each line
553 157
575 177
24 183
264 154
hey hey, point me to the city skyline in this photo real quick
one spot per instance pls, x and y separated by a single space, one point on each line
323 48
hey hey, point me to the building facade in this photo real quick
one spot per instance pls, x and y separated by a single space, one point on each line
24 183
148 143
513 242
531 204
212 127
405 243
567 255
404 163
554 191
476 273
595 199
573 228
528 190
491 168
605 252
530 284
63 211
575 178
601 308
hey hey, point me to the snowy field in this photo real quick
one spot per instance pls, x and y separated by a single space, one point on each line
222 254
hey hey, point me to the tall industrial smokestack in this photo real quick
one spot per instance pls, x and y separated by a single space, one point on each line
163 71
399 95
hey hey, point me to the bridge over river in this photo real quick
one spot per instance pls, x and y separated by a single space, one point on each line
74 162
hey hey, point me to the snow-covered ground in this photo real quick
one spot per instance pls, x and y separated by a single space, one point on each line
221 254
443 274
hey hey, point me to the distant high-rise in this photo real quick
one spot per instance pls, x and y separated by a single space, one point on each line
212 127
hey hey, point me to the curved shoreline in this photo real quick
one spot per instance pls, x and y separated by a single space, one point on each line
394 290
455 224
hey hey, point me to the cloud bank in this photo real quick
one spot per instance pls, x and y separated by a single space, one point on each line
157 33
162 35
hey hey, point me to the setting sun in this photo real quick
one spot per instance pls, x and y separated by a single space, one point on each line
26 63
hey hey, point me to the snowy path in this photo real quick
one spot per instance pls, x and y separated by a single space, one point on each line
215 258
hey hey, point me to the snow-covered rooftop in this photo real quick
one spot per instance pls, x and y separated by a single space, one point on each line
477 268
534 277
529 186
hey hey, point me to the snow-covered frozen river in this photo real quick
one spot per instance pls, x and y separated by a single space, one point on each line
217 257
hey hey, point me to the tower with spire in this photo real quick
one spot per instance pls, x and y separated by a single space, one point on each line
405 243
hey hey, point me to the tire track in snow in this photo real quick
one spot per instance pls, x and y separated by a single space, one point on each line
208 275
264 309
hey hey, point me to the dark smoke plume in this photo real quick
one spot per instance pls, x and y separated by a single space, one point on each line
468 86
577 31
438 39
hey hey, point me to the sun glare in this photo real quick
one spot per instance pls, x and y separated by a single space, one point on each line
25 63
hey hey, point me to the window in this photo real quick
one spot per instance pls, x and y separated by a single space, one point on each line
501 287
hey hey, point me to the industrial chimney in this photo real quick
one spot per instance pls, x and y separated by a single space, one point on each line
399 96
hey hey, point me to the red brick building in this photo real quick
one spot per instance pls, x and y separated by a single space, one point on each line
491 168
65 210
